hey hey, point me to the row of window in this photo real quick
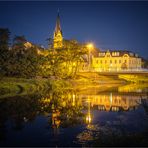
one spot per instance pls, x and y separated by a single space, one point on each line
113 54
101 54
117 61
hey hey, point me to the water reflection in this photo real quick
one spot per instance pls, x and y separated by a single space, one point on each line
133 88
68 109
124 120
109 101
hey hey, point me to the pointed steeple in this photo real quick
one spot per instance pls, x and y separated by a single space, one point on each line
58 37
58 26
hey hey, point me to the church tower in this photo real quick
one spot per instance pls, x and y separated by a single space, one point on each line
57 37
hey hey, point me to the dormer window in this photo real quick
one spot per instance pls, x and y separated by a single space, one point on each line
101 54
131 54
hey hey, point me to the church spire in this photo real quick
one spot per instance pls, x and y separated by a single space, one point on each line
58 37
58 26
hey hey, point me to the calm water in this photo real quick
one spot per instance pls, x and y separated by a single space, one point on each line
116 117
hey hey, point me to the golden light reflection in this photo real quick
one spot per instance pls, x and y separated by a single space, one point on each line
88 116
111 101
70 107
88 119
132 88
55 118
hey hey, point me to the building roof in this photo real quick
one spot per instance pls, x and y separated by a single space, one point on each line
118 53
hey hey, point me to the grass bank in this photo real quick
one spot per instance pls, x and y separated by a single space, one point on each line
9 85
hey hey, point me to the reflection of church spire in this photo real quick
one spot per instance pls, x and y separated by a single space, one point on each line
58 37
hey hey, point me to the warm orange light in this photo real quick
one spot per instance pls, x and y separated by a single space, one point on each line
88 118
90 45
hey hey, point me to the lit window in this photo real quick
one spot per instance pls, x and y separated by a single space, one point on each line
110 61
115 61
101 54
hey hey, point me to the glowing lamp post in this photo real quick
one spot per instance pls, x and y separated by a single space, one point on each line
90 48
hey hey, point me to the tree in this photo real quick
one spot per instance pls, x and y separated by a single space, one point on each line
4 38
66 60
24 60
18 44
4 49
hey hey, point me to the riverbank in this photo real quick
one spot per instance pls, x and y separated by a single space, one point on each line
82 82
9 85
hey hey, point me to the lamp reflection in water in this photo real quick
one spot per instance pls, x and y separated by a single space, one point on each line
88 116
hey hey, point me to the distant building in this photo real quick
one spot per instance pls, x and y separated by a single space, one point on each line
58 37
116 61
28 45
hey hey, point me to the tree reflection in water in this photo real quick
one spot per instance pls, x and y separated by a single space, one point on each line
65 108
17 111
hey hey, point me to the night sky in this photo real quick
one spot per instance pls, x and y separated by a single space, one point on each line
109 25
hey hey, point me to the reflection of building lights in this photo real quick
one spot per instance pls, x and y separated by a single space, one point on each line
73 99
55 118
73 96
88 118
111 98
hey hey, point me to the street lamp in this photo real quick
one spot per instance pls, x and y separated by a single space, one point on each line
90 47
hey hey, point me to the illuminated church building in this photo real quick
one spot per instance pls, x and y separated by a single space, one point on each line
105 60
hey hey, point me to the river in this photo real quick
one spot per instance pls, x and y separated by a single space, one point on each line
65 117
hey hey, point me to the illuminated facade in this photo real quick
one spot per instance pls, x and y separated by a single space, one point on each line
116 61
58 37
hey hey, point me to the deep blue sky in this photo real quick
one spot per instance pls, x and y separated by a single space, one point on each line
109 25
